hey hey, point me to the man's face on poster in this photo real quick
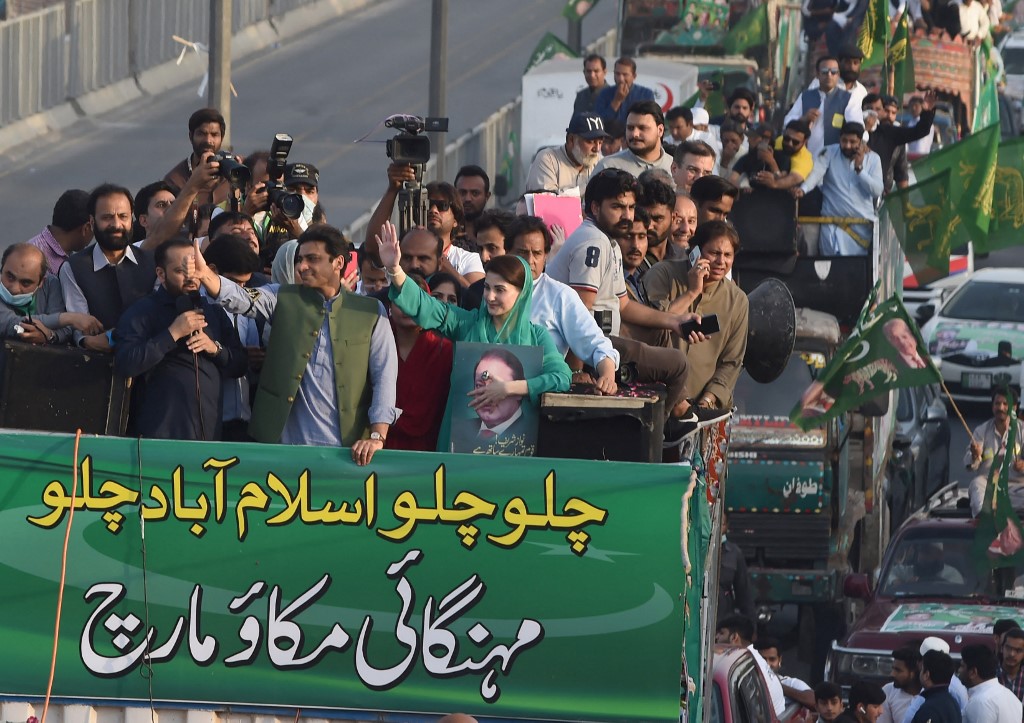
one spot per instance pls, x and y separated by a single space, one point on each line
487 371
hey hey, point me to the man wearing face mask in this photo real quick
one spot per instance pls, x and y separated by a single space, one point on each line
107 277
31 304
570 165
850 176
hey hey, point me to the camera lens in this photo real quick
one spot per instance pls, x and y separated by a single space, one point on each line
292 205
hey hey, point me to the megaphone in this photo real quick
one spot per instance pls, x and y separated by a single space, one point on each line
771 330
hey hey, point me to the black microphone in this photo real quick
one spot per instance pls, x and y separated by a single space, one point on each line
188 302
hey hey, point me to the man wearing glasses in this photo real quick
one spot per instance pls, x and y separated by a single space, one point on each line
692 160
785 165
825 108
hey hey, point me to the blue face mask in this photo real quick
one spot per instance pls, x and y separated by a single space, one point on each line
16 300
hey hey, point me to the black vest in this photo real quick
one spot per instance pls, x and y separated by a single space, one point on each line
112 289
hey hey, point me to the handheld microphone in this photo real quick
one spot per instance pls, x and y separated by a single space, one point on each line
188 302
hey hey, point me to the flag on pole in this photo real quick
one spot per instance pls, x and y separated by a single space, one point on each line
1006 227
884 352
901 58
750 32
874 33
972 170
998 540
550 46
921 217
986 112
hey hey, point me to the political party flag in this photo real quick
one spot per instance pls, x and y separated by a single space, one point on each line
884 352
972 169
920 216
987 111
874 33
998 540
577 9
550 46
900 58
750 32
1005 228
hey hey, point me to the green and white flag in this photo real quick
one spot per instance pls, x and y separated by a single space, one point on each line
884 352
550 46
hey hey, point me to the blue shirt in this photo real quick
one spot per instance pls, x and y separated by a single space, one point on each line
603 104
846 193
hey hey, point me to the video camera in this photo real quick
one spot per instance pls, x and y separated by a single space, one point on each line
291 204
409 147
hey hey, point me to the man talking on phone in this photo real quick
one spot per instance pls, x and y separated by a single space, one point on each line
705 290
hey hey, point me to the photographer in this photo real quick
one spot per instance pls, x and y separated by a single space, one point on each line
444 217
302 179
206 133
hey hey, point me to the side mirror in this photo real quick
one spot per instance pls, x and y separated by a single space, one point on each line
857 586
924 313
935 413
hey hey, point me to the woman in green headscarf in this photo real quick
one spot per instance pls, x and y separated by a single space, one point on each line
502 318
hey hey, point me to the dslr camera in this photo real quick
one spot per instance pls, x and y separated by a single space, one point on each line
291 204
231 170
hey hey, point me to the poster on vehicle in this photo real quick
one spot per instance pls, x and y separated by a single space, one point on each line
942 617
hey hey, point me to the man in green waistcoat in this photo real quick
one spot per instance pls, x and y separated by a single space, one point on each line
332 364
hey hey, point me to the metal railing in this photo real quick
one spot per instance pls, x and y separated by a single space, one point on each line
47 58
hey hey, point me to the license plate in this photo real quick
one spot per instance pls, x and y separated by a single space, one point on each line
976 380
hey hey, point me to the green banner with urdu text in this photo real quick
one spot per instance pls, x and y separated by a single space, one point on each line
266 575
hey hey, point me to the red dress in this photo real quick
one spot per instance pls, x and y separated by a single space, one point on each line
422 392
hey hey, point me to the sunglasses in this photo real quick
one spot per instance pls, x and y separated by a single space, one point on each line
440 205
829 71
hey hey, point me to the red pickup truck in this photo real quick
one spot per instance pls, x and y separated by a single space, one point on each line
740 694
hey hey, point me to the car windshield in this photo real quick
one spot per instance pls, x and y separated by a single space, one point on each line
1013 60
987 301
938 562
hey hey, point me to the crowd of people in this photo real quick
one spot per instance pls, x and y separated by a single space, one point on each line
927 685
237 320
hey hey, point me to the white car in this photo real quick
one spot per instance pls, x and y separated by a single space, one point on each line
986 312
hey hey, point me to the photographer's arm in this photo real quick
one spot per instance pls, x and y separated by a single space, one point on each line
397 175
204 177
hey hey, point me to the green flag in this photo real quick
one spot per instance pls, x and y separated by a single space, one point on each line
920 216
987 111
550 46
750 32
901 59
874 33
998 541
884 352
972 167
1007 225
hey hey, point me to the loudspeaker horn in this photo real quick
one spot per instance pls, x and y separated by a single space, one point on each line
771 330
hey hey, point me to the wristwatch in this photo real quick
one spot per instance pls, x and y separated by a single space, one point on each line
378 437
220 348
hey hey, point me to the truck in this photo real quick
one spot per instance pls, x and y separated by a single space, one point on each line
808 507
666 29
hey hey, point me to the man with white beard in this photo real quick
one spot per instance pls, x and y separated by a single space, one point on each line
560 168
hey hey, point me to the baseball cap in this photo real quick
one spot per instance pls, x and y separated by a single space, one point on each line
850 50
301 173
588 126
933 643
701 117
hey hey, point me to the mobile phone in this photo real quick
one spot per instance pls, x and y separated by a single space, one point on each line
708 325
694 255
